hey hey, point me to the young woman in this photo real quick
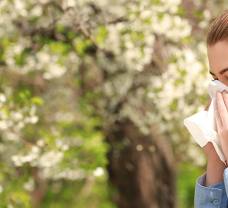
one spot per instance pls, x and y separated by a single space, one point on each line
211 188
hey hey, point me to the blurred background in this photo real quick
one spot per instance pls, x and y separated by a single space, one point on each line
92 100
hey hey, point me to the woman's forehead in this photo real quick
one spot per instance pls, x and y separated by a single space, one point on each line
218 57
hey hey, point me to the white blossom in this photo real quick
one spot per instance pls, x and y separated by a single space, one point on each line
50 158
99 171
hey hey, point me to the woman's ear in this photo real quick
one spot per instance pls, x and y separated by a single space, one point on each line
208 104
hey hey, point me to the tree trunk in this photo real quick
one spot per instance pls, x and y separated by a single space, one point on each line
140 167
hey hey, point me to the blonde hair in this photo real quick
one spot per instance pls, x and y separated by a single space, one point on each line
218 29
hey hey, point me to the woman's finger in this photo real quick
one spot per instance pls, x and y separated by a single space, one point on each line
217 119
217 115
221 108
225 98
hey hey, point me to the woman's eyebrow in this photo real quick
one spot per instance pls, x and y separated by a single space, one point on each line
221 72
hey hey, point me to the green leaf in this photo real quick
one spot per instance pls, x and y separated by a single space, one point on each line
59 47
37 101
101 35
81 45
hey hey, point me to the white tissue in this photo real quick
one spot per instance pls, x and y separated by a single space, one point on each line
202 125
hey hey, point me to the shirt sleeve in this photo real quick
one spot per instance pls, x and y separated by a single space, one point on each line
213 196
225 175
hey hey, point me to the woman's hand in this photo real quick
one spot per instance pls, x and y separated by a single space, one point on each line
221 117
215 167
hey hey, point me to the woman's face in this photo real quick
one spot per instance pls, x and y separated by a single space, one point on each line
218 61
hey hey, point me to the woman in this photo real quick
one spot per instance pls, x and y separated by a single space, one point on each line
211 188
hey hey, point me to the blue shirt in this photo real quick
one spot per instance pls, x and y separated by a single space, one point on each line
213 196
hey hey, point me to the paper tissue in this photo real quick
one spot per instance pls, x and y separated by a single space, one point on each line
202 125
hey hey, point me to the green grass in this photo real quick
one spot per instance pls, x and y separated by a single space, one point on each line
186 178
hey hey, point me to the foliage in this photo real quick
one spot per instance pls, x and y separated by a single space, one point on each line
67 66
